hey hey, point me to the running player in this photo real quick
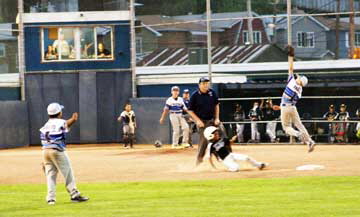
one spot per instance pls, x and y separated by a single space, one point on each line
289 113
222 150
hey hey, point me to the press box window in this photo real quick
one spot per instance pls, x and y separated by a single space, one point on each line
77 43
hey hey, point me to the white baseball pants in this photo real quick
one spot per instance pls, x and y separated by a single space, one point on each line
55 161
177 122
255 134
230 161
239 132
289 116
271 130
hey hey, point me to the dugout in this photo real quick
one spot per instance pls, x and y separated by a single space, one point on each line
81 60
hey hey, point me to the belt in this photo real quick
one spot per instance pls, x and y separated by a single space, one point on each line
287 104
175 112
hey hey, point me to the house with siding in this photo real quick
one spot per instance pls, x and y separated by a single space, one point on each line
314 38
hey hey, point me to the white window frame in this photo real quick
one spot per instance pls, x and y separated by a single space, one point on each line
77 44
306 43
257 36
3 48
139 45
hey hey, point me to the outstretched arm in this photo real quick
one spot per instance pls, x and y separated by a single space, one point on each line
291 54
73 119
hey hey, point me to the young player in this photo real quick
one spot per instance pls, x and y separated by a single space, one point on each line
268 114
127 117
54 154
289 113
175 106
222 150
255 115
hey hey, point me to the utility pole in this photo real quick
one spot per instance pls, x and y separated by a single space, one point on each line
133 48
21 56
250 29
208 29
352 29
337 25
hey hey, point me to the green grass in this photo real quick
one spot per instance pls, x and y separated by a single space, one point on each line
293 197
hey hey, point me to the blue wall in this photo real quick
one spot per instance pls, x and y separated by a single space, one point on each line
121 50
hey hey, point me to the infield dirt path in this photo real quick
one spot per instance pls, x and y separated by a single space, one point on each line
112 163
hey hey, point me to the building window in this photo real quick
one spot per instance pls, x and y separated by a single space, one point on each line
256 37
357 39
305 39
77 43
2 50
139 45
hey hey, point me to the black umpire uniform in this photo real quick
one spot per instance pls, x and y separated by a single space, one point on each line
203 105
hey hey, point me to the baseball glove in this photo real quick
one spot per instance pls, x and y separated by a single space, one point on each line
290 51
158 144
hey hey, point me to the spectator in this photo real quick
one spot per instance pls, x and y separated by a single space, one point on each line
255 115
62 47
239 115
102 52
358 125
51 54
342 128
331 115
268 114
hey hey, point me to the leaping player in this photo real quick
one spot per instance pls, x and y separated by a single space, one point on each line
289 113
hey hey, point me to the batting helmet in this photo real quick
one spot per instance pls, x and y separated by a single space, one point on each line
209 132
304 80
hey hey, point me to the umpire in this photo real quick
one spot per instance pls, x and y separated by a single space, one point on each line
204 109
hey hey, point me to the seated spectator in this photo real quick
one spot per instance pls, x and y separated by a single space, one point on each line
331 115
102 52
50 53
342 128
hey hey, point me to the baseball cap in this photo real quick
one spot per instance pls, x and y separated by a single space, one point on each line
175 88
204 79
304 80
54 108
186 91
331 106
343 105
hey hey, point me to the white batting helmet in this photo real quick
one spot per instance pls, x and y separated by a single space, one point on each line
209 132
304 80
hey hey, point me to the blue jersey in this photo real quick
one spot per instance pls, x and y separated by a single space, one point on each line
53 134
292 93
175 105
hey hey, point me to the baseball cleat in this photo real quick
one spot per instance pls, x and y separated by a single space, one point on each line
51 202
186 145
263 166
311 146
79 199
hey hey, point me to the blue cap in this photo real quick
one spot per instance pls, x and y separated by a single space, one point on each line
204 79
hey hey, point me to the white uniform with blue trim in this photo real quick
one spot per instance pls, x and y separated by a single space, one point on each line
52 136
176 108
289 113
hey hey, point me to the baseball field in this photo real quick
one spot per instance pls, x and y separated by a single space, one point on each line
162 182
